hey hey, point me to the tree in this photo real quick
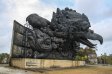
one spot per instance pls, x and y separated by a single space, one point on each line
105 59
3 56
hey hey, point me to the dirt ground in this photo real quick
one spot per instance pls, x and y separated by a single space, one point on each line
85 70
5 69
95 69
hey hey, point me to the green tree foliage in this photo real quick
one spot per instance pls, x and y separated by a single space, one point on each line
82 54
105 59
3 56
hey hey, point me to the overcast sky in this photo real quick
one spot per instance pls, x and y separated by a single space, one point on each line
99 13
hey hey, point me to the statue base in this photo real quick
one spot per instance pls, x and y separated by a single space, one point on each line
26 63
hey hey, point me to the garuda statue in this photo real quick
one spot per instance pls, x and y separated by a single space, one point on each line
60 38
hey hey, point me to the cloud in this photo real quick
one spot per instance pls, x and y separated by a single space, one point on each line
108 13
105 48
21 9
104 28
60 3
94 9
5 37
5 43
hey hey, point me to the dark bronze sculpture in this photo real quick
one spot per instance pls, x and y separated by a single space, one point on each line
60 38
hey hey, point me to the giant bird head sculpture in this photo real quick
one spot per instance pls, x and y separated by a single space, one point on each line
75 24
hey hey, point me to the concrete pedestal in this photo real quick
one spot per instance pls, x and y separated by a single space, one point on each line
44 63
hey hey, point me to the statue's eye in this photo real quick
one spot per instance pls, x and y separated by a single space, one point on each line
67 17
41 35
92 31
47 41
